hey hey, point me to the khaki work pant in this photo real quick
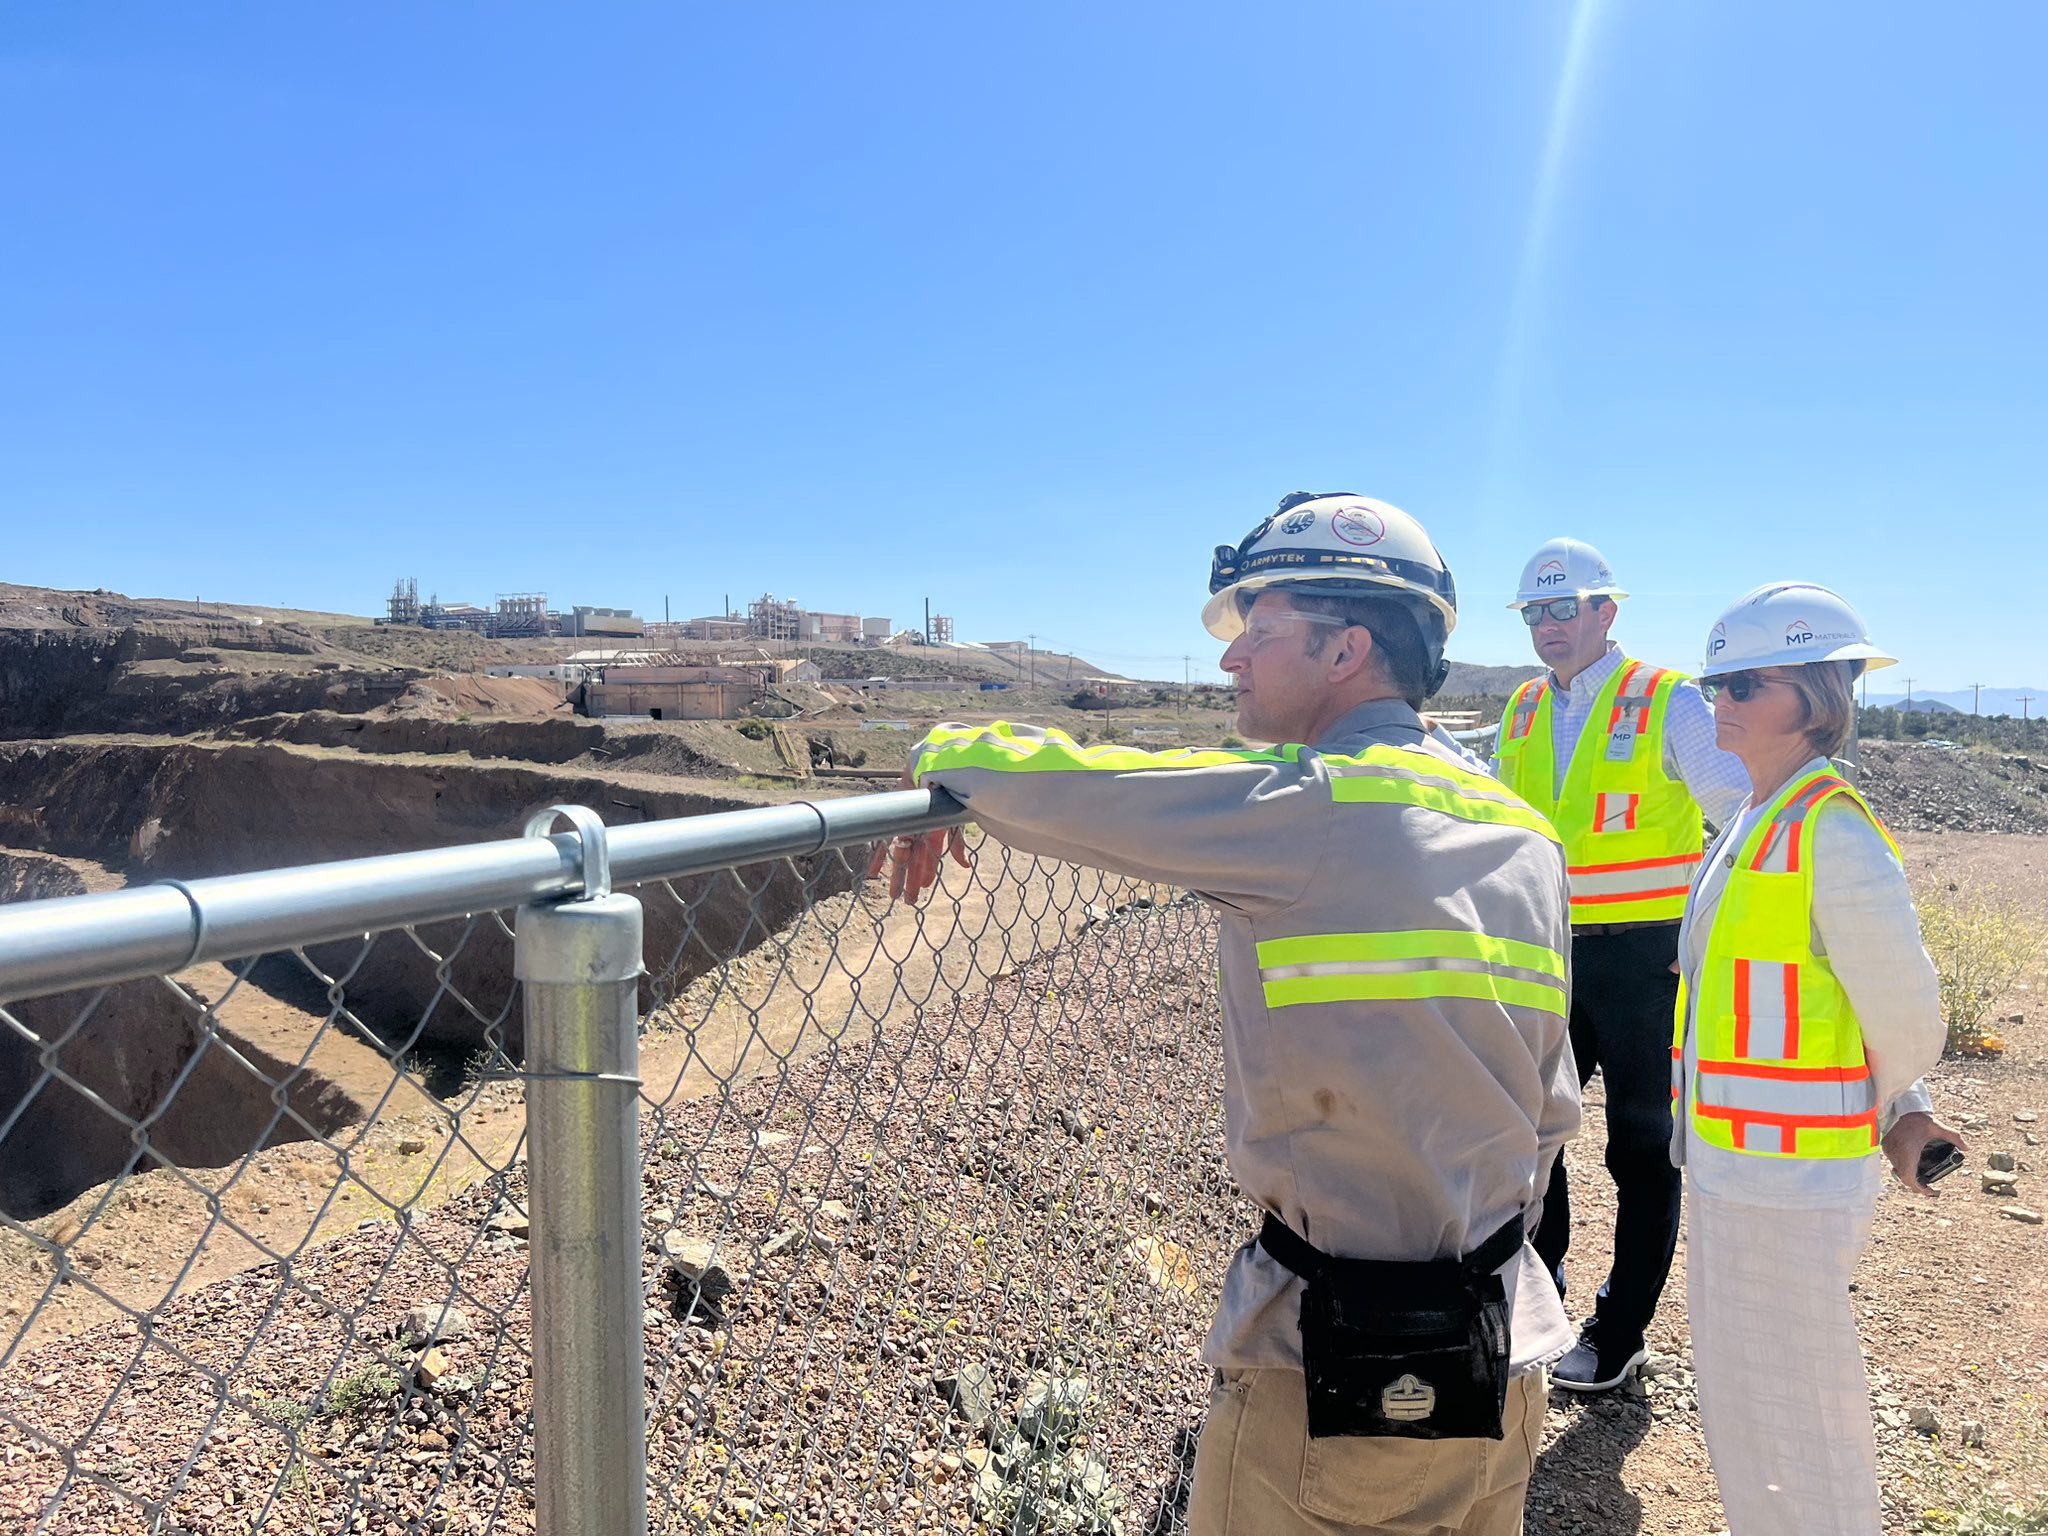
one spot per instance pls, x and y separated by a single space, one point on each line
1257 1472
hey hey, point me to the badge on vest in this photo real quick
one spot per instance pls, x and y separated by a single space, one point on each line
1408 1399
1621 744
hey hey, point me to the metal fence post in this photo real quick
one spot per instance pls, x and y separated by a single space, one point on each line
579 963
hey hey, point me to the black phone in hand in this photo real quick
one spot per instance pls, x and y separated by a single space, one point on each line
1938 1159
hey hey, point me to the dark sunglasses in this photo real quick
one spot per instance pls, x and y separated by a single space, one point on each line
1740 686
1562 609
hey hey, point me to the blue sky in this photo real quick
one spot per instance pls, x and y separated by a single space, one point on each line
1025 308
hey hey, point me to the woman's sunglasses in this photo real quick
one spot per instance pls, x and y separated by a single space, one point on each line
1562 609
1740 686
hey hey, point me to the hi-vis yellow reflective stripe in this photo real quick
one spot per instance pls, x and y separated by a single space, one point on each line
1415 963
1390 776
993 746
1379 775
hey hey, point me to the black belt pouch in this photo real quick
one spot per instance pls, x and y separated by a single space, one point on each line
1414 1351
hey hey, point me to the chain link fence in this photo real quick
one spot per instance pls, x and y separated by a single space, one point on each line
919 1218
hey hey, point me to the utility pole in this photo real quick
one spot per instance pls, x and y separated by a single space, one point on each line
1909 695
1186 679
1032 641
927 621
2025 700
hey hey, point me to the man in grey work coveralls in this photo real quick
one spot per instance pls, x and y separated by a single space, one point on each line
1393 951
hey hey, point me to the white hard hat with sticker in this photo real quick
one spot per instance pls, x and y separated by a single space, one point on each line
1785 624
1565 568
1336 539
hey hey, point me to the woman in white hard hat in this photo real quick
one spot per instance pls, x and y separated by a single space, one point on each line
1808 1009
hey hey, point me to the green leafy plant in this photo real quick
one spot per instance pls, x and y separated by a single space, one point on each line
361 1391
1981 947
284 1410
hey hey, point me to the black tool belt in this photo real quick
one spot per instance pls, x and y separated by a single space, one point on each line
1418 1351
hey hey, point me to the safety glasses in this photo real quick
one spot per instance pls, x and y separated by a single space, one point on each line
1562 609
1739 686
1261 627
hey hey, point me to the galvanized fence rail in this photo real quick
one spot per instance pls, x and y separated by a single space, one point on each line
664 1177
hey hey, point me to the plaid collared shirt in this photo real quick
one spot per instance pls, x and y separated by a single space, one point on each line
1716 779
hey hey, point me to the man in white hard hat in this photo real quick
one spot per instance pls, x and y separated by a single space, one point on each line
1621 756
1392 936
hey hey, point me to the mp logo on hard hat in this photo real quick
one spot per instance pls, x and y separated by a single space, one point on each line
1717 640
1551 573
1798 632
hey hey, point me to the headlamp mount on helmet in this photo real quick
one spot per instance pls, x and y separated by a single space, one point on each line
1297 560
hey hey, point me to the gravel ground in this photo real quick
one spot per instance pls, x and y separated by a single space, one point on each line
1025 1192
952 1278
1950 1299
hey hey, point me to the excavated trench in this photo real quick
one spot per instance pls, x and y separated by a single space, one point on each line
208 1080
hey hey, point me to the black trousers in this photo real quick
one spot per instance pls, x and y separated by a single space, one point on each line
1623 995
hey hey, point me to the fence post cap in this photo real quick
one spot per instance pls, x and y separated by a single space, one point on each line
578 943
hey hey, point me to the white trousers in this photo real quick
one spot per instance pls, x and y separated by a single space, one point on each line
1783 1399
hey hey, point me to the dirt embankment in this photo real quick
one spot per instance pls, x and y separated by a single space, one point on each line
197 1060
176 677
31 876
184 810
691 749
462 698
553 740
120 1058
190 1068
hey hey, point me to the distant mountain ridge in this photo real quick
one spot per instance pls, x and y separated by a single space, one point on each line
1992 701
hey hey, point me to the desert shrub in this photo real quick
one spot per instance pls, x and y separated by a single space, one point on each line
1960 1493
363 1390
1233 740
1981 947
755 730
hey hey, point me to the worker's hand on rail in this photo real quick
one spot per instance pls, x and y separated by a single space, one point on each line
913 861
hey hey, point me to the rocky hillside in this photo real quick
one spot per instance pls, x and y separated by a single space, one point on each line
98 661
1925 787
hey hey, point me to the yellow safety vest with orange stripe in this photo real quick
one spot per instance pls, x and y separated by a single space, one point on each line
1780 1070
1633 834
